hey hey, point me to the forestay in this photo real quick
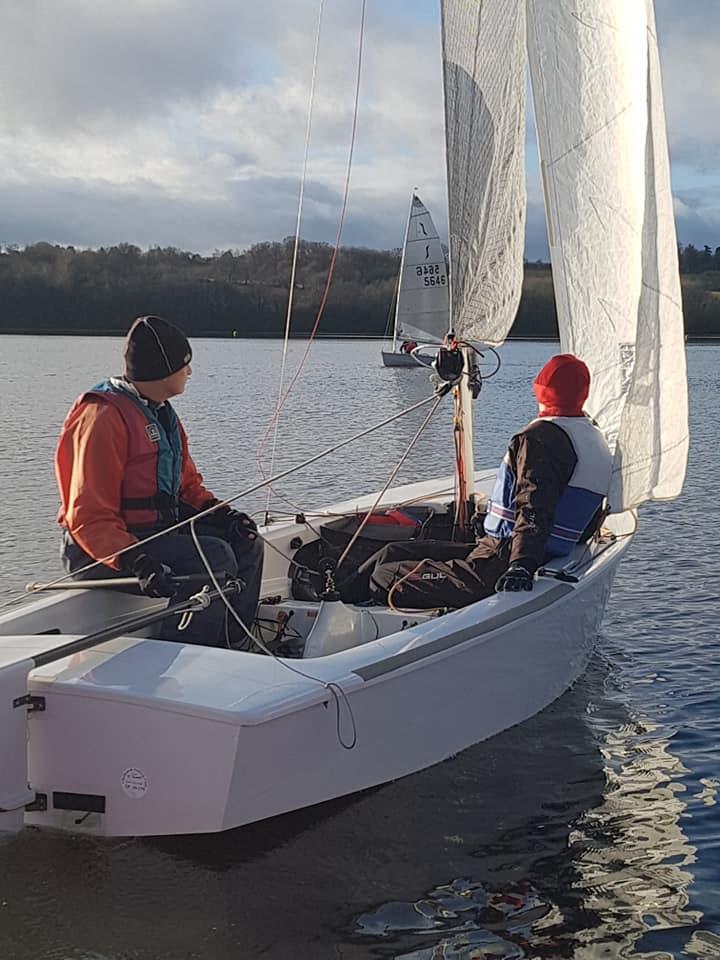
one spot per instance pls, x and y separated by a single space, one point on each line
601 130
422 307
484 73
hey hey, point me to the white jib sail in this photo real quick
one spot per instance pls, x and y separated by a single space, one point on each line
484 72
423 302
601 131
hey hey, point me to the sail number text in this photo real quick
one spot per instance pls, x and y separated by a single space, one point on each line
432 274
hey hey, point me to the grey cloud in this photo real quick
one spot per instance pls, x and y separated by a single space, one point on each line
695 230
701 17
698 219
688 35
65 65
250 211
700 155
262 209
98 215
253 210
705 201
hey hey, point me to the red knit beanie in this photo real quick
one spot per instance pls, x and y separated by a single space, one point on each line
562 386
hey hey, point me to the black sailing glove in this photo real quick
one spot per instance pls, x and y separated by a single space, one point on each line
235 523
515 578
239 524
153 576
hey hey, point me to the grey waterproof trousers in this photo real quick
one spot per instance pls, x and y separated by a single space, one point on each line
228 557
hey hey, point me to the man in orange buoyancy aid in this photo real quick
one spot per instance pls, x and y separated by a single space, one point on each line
124 471
548 496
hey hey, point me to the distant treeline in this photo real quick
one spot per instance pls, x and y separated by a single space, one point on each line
53 289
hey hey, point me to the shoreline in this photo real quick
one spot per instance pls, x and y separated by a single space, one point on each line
224 335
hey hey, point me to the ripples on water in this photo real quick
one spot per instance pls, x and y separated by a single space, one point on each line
591 831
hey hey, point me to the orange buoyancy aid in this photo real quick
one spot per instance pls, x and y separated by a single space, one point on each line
151 480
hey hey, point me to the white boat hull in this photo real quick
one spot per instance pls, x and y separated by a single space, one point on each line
408 719
147 737
391 358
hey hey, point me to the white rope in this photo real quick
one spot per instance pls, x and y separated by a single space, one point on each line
329 685
291 293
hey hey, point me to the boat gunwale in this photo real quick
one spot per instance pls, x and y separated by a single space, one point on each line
314 691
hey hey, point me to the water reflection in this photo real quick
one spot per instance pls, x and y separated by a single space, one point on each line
473 922
620 888
633 857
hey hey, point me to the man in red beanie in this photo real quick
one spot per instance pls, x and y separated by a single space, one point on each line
124 472
548 496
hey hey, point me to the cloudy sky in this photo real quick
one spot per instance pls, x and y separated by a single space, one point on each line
181 122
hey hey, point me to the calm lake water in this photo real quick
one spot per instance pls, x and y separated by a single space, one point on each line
591 831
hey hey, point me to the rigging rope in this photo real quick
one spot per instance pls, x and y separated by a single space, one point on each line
333 259
291 293
390 479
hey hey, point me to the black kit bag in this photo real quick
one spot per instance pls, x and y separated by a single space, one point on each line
307 582
426 584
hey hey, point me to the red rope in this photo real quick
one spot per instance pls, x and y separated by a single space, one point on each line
336 248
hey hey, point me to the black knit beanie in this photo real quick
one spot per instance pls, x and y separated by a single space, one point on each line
155 349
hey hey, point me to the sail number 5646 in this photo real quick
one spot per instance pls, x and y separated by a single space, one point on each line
432 275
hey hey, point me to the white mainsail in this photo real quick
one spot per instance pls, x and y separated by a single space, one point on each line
484 73
601 131
423 303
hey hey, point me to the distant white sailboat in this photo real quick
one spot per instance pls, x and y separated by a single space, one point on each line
422 307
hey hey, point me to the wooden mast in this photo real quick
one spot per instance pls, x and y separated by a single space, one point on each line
464 455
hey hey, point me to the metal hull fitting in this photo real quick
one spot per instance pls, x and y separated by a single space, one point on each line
141 737
391 358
